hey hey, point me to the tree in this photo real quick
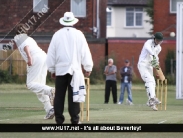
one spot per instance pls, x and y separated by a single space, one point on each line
150 12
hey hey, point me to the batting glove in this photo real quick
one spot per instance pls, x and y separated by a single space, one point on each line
154 62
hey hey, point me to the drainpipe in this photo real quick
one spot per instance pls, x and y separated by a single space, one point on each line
98 20
106 51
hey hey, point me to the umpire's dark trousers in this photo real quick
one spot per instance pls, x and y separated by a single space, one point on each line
108 85
61 85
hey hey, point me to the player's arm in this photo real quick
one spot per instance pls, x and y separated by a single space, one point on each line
51 57
106 71
148 48
29 57
113 72
123 73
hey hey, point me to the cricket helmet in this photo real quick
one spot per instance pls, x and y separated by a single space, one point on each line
158 36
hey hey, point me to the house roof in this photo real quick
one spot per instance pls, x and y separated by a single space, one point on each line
128 2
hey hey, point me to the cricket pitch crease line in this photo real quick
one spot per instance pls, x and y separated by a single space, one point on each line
162 122
5 120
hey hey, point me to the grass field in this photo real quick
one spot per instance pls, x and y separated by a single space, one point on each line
19 105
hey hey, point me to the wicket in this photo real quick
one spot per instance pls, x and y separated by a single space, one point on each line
161 92
87 84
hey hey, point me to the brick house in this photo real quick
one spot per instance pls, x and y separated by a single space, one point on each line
122 48
92 21
127 18
165 16
42 19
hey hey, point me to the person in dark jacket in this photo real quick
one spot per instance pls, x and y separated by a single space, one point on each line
126 81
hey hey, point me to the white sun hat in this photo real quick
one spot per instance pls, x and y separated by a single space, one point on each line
68 19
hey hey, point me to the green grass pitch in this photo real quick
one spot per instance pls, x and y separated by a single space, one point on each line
19 105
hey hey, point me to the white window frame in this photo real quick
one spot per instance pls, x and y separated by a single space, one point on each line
175 6
84 15
109 11
134 26
35 2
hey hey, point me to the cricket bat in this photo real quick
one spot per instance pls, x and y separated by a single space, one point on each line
160 73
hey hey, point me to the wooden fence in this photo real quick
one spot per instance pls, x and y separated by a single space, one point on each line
12 61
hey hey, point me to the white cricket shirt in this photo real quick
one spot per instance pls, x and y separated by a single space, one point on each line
23 40
148 50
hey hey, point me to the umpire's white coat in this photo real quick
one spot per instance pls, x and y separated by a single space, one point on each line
61 56
145 68
36 74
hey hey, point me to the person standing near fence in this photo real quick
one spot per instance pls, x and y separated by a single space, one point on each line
35 58
126 82
110 72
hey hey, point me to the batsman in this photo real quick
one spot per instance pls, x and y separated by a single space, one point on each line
148 60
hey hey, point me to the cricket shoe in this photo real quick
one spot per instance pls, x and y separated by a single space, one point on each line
148 104
52 96
50 114
154 107
128 102
151 102
156 101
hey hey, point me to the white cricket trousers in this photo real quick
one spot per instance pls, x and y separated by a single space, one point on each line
36 79
146 72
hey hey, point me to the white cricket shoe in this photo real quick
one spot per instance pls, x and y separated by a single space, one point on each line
128 102
52 96
148 104
131 103
156 101
151 102
50 114
119 102
154 107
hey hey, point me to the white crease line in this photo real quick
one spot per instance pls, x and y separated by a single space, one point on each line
5 120
162 122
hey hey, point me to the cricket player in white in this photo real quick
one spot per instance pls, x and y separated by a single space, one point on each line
36 69
147 60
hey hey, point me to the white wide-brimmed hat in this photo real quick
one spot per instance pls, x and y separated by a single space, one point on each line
68 19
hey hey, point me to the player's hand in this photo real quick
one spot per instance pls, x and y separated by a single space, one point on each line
87 73
29 62
157 76
154 62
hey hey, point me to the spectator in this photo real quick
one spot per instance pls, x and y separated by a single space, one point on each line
110 72
126 82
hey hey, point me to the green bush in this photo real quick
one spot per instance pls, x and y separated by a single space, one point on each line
170 55
170 76
97 75
6 77
171 79
49 79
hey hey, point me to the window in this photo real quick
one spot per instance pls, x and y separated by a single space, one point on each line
78 7
38 5
109 13
134 17
173 5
